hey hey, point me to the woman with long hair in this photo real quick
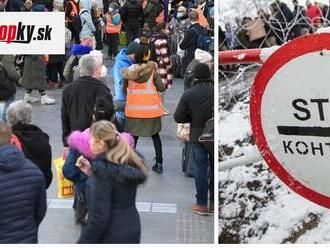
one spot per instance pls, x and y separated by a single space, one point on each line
144 107
116 173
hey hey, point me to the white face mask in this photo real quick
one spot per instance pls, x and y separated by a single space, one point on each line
180 14
104 71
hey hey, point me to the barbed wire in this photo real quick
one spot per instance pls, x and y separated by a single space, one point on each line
279 26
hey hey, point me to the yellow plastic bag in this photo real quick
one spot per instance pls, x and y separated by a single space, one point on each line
64 186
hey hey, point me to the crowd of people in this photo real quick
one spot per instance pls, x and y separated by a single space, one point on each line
100 129
274 26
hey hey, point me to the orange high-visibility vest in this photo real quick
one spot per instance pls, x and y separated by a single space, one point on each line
110 27
75 10
143 100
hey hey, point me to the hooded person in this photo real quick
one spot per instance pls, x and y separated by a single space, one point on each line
201 56
124 59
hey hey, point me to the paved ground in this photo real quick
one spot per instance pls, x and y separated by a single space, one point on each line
163 202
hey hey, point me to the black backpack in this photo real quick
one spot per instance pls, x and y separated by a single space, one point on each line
77 24
207 137
73 68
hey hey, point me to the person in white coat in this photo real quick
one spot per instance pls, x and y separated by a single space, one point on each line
88 27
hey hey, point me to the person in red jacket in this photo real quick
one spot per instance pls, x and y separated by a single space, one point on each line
314 13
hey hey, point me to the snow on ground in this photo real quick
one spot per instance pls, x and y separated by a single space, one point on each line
255 206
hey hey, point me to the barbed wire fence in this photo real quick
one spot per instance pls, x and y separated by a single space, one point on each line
258 29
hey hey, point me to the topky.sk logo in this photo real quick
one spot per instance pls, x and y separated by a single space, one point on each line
32 33
21 33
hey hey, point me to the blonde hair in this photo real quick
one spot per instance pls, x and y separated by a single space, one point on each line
118 150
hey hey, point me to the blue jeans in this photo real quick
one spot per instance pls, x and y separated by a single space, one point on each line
203 164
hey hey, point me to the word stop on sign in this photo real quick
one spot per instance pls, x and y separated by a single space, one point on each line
290 115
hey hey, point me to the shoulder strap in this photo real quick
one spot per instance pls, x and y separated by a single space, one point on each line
85 10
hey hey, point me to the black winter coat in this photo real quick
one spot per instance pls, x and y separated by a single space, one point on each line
78 100
36 147
132 13
189 43
8 77
113 217
196 107
22 197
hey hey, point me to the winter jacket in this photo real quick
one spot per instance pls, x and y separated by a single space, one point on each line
152 10
121 61
88 27
189 43
15 5
314 14
22 197
140 73
177 27
34 72
70 73
132 13
78 100
164 64
47 4
8 77
73 173
196 107
36 147
113 217
54 59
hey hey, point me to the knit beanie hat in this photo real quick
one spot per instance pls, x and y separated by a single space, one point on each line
202 71
202 56
132 47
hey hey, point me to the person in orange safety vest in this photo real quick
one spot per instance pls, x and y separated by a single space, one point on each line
144 108
112 29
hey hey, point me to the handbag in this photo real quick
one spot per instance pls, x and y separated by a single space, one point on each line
183 131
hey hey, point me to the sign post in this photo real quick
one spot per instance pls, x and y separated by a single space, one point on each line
290 115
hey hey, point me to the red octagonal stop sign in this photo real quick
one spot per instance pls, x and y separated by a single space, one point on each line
290 115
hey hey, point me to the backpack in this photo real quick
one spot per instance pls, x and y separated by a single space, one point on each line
207 136
204 40
73 68
77 24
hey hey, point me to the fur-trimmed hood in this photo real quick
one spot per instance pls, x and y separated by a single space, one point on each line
139 72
